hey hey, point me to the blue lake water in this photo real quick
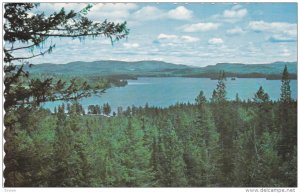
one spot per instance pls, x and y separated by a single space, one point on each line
163 92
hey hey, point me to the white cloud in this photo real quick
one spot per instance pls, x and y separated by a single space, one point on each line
282 27
180 13
251 49
172 40
121 11
114 11
154 13
115 6
237 7
49 8
285 52
166 36
235 31
233 15
68 6
215 41
131 45
148 13
189 39
98 12
177 46
279 30
200 27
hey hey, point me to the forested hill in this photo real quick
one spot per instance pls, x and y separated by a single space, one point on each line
159 68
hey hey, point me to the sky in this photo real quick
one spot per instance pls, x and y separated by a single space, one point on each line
197 34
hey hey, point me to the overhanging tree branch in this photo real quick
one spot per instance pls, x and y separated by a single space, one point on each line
72 36
34 30
25 47
25 58
36 55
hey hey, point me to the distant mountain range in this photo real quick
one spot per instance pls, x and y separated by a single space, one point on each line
159 68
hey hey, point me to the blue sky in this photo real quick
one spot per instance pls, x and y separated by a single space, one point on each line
197 34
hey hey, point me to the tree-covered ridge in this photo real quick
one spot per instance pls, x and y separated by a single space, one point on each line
97 84
212 143
160 68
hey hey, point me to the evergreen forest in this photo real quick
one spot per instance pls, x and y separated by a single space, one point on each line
211 143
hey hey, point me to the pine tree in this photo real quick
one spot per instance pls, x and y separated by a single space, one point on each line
214 96
201 100
287 128
106 109
119 111
137 157
285 95
97 109
171 163
221 88
237 98
78 163
201 152
261 96
225 127
264 116
62 151
91 109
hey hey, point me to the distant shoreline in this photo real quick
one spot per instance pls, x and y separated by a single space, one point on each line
128 70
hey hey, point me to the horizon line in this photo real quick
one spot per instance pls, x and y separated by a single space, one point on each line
170 62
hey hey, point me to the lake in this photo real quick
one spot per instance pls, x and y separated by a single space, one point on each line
166 91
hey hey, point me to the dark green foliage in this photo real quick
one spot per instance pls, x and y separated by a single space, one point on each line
224 117
183 145
217 143
288 134
285 87
201 100
221 88
237 98
201 151
214 96
23 94
171 165
136 157
106 109
261 96
94 109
